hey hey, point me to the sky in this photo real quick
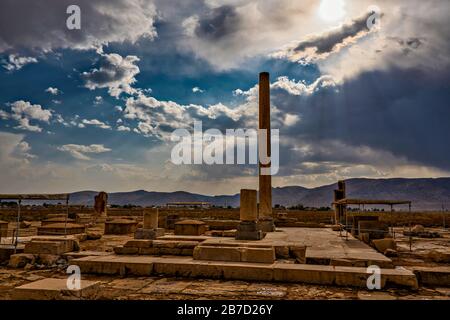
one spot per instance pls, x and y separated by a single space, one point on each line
358 89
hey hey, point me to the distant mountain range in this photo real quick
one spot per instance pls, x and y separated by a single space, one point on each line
425 194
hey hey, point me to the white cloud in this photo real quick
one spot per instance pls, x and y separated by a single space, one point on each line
79 151
197 90
97 123
23 112
23 108
291 119
115 73
98 100
301 88
53 91
16 63
123 128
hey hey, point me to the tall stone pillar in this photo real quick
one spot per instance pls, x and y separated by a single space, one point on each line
265 180
248 227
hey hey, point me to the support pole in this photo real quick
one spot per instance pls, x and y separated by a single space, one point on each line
18 225
265 181
67 216
265 219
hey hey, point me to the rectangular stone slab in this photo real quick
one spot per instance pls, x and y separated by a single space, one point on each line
435 276
52 289
47 247
188 267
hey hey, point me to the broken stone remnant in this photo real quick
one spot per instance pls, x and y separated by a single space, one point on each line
383 244
248 228
20 260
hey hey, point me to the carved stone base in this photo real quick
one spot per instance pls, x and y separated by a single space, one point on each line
266 224
248 230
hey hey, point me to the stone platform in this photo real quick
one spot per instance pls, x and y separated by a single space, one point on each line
54 289
435 276
323 247
61 229
282 272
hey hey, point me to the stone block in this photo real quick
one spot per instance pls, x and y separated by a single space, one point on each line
266 225
139 243
150 234
120 226
229 233
248 230
383 244
217 253
165 243
126 250
48 259
69 243
148 251
190 228
20 260
169 251
55 289
61 229
433 276
247 271
187 245
282 252
45 247
303 273
257 255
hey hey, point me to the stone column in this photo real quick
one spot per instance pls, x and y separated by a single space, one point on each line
249 208
151 219
150 228
248 227
265 181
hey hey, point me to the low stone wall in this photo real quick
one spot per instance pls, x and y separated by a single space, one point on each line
400 218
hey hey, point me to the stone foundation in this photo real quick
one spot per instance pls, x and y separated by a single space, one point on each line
61 229
266 225
249 230
190 228
149 234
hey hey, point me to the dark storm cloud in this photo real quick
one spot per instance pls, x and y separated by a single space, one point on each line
218 23
41 25
403 112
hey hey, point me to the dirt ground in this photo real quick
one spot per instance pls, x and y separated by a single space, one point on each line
157 288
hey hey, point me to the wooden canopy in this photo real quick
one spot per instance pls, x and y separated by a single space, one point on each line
347 201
